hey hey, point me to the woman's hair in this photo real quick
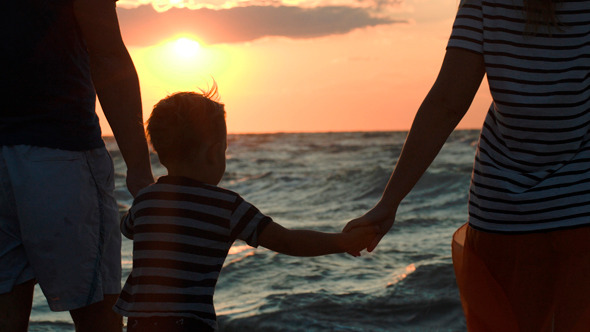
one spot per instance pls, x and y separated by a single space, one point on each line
540 13
184 121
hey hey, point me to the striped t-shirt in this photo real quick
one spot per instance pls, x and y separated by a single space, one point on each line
182 231
532 166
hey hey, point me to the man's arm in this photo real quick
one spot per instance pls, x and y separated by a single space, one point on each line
117 86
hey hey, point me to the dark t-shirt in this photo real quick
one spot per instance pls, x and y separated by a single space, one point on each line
46 90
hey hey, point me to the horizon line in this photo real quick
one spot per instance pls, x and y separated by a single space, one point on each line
326 132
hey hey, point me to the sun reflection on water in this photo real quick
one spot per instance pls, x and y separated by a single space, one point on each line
236 249
399 277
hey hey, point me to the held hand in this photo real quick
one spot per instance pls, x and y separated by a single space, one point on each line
358 239
138 180
381 215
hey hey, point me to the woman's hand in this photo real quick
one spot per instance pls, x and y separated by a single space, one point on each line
357 239
381 215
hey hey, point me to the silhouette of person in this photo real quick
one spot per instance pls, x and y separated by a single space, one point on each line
59 222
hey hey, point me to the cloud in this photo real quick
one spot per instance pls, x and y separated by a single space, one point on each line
164 5
144 26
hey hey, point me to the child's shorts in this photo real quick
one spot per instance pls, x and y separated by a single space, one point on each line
524 282
59 224
167 324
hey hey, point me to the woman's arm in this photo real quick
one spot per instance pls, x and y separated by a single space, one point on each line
445 105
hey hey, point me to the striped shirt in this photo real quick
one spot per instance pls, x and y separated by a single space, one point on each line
182 231
532 166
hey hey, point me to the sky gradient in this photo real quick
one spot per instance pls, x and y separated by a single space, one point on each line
295 66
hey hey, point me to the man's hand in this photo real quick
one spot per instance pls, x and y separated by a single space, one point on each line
138 180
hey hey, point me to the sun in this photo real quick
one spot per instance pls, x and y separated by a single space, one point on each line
182 63
186 47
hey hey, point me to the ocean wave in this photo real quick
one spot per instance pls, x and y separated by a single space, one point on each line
320 181
319 311
50 326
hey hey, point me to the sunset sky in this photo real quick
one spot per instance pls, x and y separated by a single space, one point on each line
292 66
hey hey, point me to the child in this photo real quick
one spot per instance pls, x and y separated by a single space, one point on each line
183 225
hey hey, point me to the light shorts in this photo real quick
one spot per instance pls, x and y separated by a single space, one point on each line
59 224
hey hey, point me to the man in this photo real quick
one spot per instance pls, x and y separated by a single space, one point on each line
58 216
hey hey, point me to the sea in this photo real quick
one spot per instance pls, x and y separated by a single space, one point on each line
320 181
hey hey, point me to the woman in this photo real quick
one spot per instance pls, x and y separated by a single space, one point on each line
523 260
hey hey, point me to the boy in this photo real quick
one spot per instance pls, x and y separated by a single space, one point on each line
183 226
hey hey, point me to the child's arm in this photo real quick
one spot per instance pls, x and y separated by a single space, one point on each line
312 243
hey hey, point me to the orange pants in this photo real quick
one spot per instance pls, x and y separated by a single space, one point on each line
524 282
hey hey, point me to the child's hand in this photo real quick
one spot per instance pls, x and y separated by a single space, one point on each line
357 239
